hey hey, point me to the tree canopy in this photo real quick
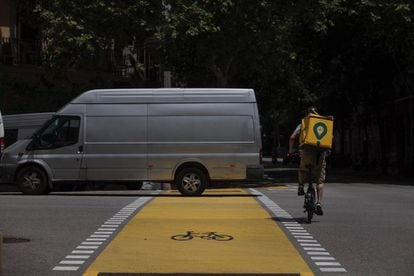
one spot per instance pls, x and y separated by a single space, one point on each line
345 56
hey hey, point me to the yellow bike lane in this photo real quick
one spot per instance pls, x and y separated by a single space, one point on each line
147 243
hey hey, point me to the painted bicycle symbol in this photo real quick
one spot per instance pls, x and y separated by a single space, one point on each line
206 236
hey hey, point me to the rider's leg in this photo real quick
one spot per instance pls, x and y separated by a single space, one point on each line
303 171
321 181
319 188
301 180
306 158
319 191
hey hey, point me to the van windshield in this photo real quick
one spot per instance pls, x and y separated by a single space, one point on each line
58 132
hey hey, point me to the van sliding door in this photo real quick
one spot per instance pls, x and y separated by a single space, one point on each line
115 142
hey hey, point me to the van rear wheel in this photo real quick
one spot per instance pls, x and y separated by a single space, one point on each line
191 181
32 181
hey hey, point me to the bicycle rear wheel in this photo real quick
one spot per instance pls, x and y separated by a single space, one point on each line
310 205
310 214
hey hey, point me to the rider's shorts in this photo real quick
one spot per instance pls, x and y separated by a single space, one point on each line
318 163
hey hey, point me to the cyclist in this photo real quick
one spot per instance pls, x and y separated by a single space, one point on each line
316 159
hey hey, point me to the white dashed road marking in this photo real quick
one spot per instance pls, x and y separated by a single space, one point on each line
92 243
313 248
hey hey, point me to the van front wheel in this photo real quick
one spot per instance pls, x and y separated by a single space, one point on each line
32 181
191 181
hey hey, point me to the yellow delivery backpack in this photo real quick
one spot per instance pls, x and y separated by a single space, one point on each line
316 132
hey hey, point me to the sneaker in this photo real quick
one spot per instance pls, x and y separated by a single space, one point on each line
319 211
301 191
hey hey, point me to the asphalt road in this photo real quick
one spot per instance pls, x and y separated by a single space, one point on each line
367 229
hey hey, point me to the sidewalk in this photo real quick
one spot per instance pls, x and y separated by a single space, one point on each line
288 174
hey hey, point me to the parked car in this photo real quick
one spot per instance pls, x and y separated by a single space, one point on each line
22 126
191 137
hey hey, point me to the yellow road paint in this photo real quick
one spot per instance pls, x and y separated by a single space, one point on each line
145 244
277 187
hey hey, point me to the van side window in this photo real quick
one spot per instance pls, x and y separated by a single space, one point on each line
62 131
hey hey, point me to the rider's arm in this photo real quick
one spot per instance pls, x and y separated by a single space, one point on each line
293 138
292 141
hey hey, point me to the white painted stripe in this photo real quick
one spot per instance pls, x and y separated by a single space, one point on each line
72 262
295 227
66 268
310 244
87 247
323 258
314 248
327 264
82 251
98 237
92 243
319 253
332 269
84 257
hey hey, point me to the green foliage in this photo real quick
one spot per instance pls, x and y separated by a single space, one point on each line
338 54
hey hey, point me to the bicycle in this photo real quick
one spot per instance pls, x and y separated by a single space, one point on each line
310 197
206 236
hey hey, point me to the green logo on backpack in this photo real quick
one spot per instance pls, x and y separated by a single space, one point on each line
320 130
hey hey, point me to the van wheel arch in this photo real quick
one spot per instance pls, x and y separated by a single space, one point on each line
191 179
192 165
38 167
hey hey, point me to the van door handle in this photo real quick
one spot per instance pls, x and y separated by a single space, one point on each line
80 149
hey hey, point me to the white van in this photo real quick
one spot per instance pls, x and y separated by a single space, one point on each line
191 137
